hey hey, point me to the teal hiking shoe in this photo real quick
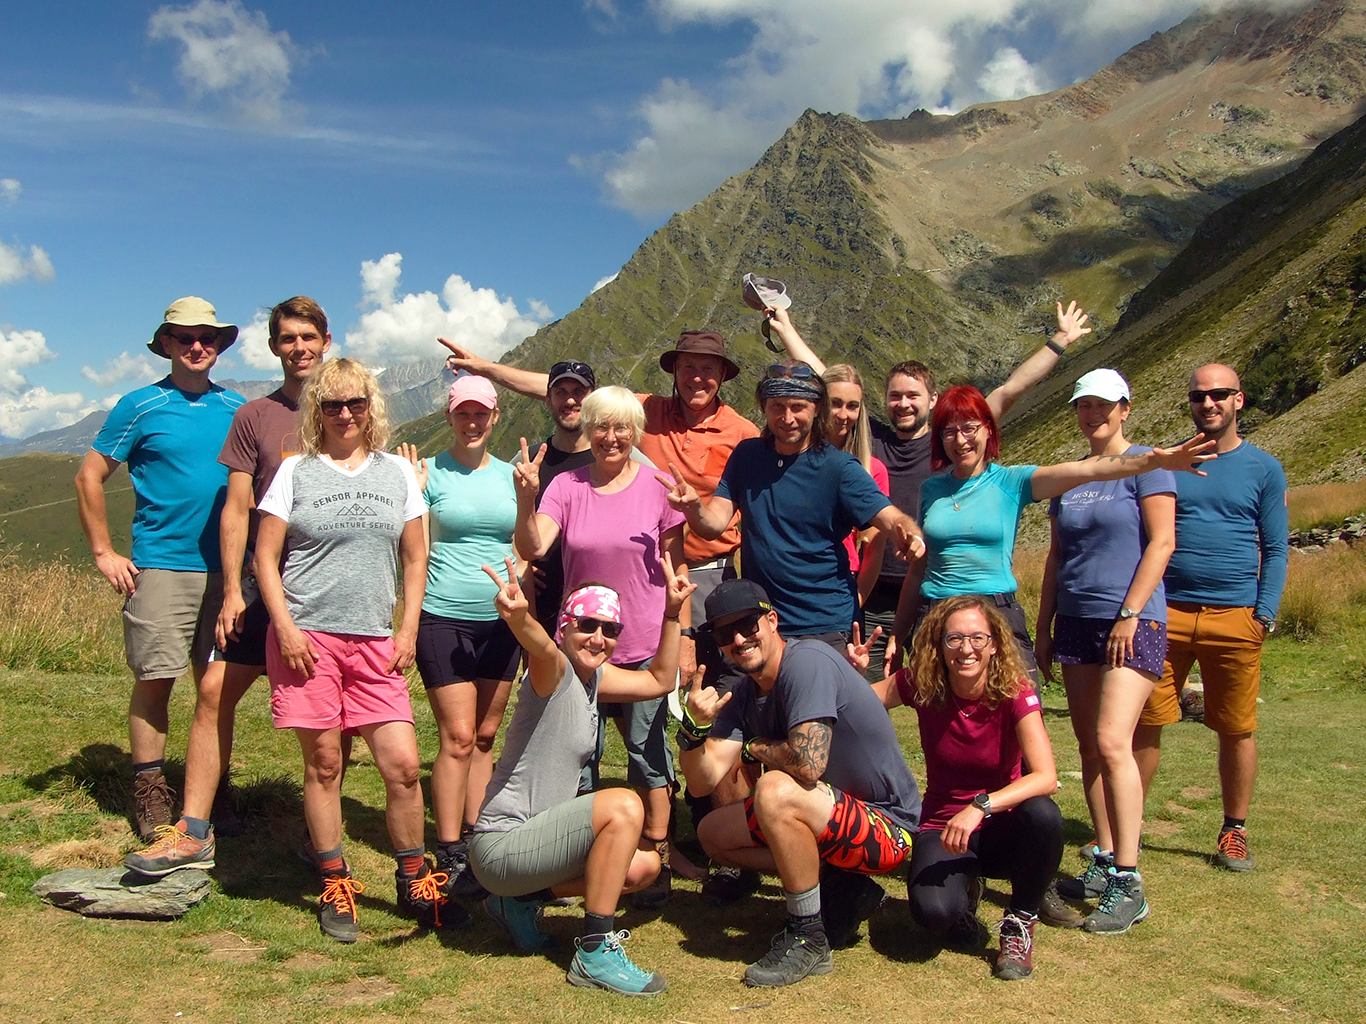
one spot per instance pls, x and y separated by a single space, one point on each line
1091 883
609 967
520 920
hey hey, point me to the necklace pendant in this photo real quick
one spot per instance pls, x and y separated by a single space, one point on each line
780 463
957 507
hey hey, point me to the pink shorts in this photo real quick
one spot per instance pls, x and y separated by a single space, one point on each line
350 687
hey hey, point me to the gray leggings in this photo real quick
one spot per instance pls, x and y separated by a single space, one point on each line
545 850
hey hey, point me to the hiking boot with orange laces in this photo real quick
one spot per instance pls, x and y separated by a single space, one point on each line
1015 961
152 800
1232 853
424 897
337 910
174 849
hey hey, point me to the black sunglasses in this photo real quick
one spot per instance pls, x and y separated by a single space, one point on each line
780 370
745 627
1217 394
588 625
577 369
334 406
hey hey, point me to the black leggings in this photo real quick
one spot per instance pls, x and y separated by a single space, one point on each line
1023 844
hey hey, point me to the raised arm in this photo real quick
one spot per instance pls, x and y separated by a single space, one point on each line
662 676
705 759
798 350
1051 481
514 378
535 532
1071 326
545 662
95 469
706 519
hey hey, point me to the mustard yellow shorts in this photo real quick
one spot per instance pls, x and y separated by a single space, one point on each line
1227 642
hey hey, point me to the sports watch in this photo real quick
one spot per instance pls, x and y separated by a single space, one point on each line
1126 614
983 803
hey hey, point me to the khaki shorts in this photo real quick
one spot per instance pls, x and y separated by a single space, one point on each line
168 622
1227 642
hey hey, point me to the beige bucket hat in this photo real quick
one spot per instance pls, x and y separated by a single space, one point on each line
192 311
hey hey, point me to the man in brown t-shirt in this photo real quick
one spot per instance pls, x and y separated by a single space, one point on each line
263 433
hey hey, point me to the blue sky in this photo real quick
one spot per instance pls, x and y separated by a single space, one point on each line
471 168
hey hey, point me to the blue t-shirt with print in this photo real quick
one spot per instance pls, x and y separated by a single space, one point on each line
795 511
170 440
969 528
1101 538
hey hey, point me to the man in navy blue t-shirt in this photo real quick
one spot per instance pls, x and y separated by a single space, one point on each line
1223 584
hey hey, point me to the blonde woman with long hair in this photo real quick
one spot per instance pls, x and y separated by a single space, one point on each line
850 431
334 523
988 810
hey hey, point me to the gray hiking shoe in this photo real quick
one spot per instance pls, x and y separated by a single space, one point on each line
1055 912
1091 883
792 957
1121 905
1232 852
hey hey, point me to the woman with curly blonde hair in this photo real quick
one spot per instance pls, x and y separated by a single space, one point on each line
335 522
983 814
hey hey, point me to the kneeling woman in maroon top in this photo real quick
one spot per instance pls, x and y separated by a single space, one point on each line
984 815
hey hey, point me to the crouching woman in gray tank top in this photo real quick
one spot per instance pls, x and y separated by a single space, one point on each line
535 838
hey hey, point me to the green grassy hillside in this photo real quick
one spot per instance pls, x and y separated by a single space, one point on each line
38 518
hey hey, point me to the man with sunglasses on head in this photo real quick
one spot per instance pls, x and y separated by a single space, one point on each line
1223 585
168 434
835 792
798 497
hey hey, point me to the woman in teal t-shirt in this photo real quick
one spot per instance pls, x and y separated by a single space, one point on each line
970 513
466 654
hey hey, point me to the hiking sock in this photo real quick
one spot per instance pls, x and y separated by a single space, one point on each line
596 926
147 766
197 827
804 904
1232 823
410 861
1121 869
330 862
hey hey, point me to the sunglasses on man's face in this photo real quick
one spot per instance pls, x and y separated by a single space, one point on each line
744 628
588 625
334 406
1215 394
206 340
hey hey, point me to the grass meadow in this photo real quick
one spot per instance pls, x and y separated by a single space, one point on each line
1282 943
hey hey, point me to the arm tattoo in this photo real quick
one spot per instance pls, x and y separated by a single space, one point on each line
805 753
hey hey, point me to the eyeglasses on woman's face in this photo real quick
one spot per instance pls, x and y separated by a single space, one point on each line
955 641
965 430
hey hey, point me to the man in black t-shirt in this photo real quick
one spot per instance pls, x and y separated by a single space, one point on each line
837 803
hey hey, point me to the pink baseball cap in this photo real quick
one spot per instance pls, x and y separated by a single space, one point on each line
470 387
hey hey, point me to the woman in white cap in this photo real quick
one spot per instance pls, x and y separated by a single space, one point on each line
466 654
1103 615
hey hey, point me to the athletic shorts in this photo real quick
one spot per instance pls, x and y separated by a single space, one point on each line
462 650
1078 641
351 685
169 620
547 849
857 838
1227 642
250 646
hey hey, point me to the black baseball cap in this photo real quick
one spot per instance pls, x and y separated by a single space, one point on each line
733 597
581 372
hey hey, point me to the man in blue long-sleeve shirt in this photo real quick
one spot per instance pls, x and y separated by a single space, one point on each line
1224 584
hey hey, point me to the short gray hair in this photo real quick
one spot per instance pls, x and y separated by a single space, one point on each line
612 405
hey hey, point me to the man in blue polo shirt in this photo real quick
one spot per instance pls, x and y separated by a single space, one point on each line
1223 585
169 434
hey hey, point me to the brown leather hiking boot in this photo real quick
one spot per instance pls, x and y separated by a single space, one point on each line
152 803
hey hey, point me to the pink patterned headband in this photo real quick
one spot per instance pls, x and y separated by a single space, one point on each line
594 601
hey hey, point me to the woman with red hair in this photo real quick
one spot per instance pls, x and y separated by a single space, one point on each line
970 513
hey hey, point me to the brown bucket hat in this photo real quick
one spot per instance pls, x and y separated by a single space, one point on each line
192 311
703 343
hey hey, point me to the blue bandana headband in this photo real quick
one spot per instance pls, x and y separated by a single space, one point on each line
789 387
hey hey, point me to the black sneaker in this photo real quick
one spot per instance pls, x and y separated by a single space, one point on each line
337 915
424 898
460 881
792 957
847 900
728 885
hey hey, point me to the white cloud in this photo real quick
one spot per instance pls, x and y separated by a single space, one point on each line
875 58
229 53
25 410
253 344
16 266
10 189
125 366
603 282
404 328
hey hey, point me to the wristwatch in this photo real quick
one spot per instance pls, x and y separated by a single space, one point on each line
1267 624
1127 613
983 803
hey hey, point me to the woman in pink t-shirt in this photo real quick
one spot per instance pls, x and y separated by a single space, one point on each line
983 815
850 432
614 523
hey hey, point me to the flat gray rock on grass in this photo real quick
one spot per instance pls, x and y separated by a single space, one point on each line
117 892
